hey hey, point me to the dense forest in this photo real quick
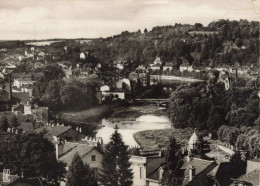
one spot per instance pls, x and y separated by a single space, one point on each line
208 105
227 43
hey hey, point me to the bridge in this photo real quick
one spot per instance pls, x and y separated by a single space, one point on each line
159 102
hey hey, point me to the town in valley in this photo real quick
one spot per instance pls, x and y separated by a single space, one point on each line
164 106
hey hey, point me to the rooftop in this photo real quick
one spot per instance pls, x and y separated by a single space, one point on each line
152 167
251 177
70 149
21 96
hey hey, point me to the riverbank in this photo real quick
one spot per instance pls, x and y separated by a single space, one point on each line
92 114
158 139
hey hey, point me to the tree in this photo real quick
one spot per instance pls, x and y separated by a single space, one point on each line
4 124
145 31
173 161
80 174
116 166
14 122
32 153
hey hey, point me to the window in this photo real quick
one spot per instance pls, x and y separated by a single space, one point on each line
93 158
141 173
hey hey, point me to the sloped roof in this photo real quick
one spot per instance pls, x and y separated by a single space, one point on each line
58 130
194 138
152 167
223 173
21 75
199 164
73 148
251 177
21 96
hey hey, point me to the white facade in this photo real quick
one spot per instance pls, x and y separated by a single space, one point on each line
82 55
139 170
188 68
104 88
21 82
120 66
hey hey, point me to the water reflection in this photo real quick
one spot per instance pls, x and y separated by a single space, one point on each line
128 127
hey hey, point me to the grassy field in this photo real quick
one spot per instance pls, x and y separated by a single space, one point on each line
157 139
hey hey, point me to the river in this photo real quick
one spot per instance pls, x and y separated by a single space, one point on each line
133 119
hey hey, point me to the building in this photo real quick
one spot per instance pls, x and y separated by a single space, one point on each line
104 88
196 171
120 66
147 170
117 93
21 97
194 144
252 165
23 82
124 84
249 179
187 67
89 154
168 66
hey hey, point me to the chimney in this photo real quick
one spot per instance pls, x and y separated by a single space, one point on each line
80 129
191 172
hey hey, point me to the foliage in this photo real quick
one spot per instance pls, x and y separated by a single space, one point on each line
14 122
234 41
4 123
33 154
116 166
244 138
207 105
80 174
172 175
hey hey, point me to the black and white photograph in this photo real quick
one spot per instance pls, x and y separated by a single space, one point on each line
129 93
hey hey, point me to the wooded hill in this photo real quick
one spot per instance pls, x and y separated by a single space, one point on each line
218 43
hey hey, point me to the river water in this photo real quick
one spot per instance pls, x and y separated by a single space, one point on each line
134 119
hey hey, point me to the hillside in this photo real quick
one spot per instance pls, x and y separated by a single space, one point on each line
219 43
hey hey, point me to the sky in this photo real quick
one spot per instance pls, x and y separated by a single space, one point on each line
48 19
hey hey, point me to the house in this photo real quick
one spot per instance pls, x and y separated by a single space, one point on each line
10 178
28 89
249 179
252 165
124 84
89 154
104 88
186 67
168 66
147 170
155 67
60 133
82 55
157 61
120 66
23 81
196 171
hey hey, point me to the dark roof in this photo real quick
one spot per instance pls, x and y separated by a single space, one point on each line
12 179
225 171
152 167
4 96
70 149
251 177
58 130
21 96
199 164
